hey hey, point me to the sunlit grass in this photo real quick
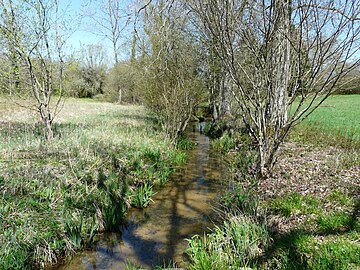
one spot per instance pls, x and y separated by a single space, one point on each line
336 122
56 195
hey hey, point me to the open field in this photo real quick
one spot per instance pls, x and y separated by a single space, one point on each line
336 122
55 196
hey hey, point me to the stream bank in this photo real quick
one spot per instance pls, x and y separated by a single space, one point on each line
156 235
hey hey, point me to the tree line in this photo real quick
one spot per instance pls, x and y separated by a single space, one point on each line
265 64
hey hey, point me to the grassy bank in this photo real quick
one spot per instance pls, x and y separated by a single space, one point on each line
55 196
306 215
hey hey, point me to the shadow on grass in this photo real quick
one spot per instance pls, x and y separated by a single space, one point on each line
293 250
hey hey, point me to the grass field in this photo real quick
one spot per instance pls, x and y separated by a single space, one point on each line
55 196
335 122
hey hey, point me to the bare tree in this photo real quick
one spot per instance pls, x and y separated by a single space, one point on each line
31 30
284 59
171 87
111 20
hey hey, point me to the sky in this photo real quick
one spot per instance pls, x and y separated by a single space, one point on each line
84 28
80 34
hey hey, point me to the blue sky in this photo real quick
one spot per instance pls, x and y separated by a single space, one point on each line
83 27
81 36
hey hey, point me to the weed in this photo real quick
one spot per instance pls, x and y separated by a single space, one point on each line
113 215
142 196
14 255
334 222
184 143
330 254
341 198
223 144
241 199
73 231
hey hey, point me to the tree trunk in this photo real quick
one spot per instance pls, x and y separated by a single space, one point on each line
47 119
225 97
275 114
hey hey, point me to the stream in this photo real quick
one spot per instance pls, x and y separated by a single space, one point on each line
156 235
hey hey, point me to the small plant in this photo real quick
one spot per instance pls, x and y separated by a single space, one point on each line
294 203
142 196
164 176
224 144
240 199
334 222
330 254
14 255
92 232
113 215
184 143
73 232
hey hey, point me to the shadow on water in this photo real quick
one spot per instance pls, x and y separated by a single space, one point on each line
156 235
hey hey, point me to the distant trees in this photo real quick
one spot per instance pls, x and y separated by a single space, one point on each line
111 20
123 77
86 72
284 59
93 70
33 45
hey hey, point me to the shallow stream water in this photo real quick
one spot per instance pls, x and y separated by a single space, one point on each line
156 235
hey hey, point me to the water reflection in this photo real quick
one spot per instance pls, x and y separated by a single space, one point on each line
156 235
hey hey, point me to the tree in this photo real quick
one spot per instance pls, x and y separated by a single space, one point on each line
111 20
169 67
284 59
122 76
93 70
31 31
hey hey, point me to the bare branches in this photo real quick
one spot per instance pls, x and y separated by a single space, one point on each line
281 54
27 28
332 9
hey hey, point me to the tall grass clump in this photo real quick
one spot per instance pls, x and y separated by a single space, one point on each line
56 196
237 243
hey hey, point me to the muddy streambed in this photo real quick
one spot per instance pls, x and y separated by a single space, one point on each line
156 235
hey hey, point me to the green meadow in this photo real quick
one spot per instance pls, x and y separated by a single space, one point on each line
335 122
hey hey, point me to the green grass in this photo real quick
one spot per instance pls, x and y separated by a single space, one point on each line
338 114
294 203
235 244
337 253
336 122
56 195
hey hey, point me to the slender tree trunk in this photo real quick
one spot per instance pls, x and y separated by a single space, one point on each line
225 96
275 114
